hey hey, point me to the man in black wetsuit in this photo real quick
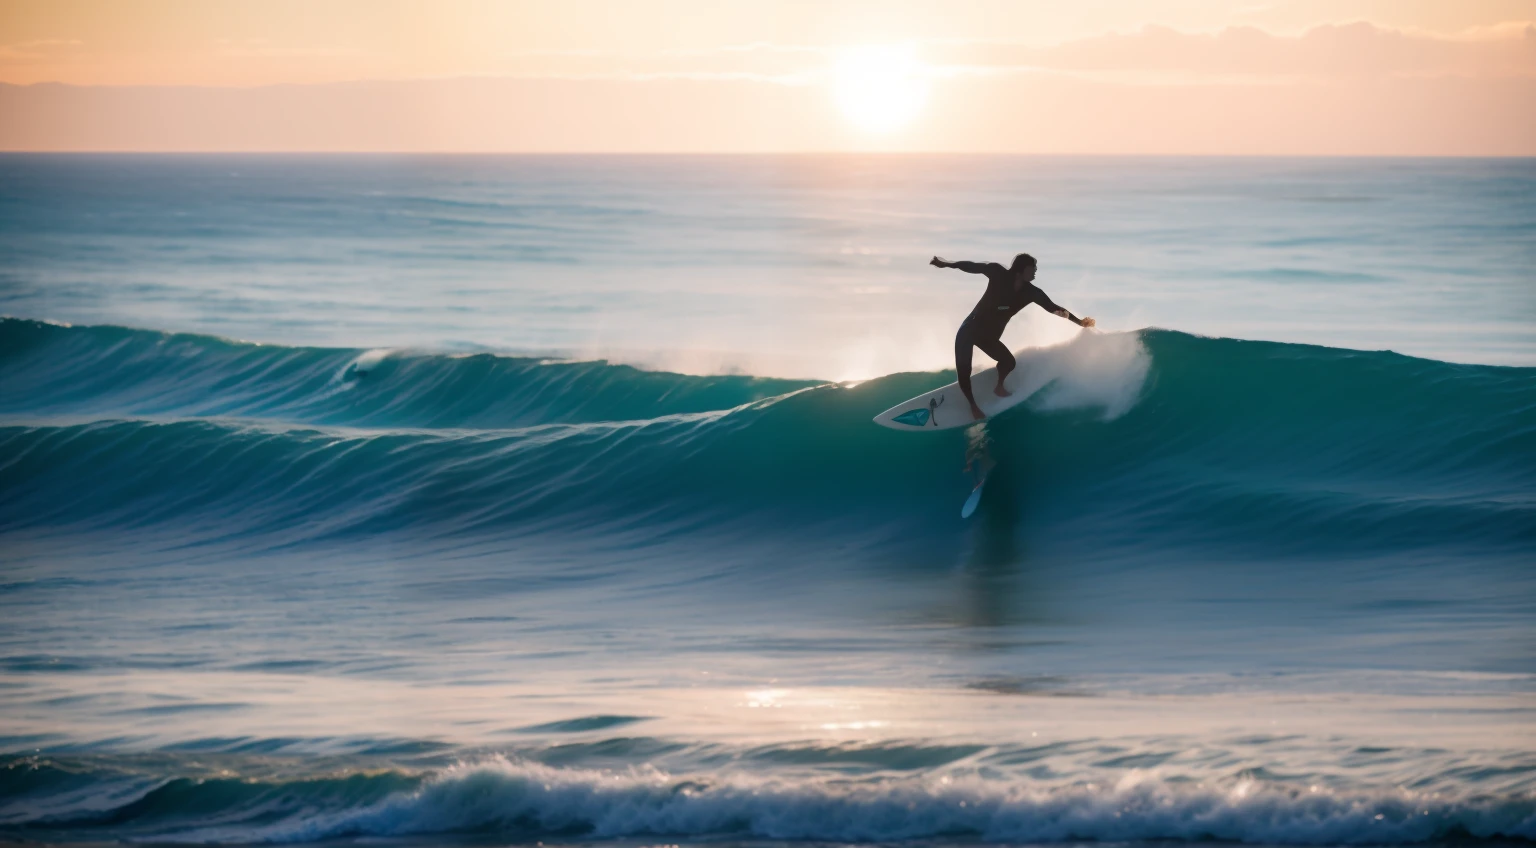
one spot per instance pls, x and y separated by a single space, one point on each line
1008 291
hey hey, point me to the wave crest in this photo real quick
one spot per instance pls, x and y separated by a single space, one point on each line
518 799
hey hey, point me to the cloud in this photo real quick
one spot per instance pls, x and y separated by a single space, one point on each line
261 48
655 76
1507 29
1154 55
1330 51
36 49
784 64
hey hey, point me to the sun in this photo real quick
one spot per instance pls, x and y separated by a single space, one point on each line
880 88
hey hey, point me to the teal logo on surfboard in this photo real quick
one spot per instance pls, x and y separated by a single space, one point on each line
919 417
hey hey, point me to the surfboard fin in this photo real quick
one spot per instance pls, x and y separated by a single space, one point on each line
973 501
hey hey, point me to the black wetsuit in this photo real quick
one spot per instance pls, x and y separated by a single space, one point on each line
983 328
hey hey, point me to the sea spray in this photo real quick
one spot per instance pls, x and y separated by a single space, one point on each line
1100 371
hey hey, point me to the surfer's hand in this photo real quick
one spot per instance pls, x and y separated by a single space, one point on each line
1089 322
937 262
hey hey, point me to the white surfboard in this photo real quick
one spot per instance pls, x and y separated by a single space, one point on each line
945 408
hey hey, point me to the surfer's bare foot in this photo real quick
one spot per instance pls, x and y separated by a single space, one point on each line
1000 391
1089 322
976 411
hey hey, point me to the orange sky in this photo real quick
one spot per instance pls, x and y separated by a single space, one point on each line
1095 76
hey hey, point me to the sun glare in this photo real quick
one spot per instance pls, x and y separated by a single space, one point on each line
880 88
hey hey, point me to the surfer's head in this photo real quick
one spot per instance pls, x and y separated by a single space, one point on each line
1024 267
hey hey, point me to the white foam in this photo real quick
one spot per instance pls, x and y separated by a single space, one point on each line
518 797
369 360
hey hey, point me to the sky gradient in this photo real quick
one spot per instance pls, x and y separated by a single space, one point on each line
1350 77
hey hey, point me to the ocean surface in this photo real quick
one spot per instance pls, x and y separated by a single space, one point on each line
506 500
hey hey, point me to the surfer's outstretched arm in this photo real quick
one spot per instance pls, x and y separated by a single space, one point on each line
967 267
1048 306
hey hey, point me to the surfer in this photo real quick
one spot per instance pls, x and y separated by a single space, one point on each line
1008 291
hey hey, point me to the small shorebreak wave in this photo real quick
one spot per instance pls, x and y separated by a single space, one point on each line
511 798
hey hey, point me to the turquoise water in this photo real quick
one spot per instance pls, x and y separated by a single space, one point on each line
322 519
